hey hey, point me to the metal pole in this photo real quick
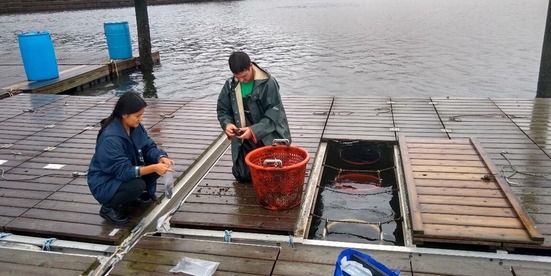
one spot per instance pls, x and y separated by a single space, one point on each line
544 81
144 38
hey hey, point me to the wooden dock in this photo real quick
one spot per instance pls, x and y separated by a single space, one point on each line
61 130
220 202
157 255
45 138
76 71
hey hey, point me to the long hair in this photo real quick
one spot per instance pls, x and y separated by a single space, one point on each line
128 103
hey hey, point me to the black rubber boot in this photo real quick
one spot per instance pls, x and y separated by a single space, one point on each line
113 215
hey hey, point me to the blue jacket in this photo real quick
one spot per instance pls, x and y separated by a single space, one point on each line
118 157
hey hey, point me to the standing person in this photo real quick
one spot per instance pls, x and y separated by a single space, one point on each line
250 111
127 162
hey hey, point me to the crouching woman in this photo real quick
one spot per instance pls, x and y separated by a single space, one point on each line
126 163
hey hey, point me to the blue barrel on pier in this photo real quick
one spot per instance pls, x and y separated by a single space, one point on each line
118 40
38 55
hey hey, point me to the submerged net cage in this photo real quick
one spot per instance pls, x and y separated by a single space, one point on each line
356 182
359 153
278 173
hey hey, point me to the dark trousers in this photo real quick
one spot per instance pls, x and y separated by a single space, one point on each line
133 188
240 170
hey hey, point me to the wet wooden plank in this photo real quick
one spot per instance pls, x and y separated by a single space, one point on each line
159 254
46 227
532 116
490 193
25 262
360 119
462 200
450 183
416 117
467 210
236 222
320 260
299 269
450 169
472 220
413 198
475 234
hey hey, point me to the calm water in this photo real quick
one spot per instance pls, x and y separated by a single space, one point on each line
467 48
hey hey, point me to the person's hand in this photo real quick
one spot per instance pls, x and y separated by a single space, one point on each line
161 168
231 130
166 161
246 133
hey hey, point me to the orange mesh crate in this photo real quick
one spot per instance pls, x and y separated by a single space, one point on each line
278 175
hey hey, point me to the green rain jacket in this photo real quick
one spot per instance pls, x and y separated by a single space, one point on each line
265 106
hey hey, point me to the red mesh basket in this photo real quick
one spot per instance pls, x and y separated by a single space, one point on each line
278 175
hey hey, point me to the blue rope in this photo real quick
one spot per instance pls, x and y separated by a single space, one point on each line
4 234
227 235
47 243
291 243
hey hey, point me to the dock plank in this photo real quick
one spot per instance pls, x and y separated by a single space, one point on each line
360 119
24 262
416 117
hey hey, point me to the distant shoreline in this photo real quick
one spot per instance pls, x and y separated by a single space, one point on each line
36 6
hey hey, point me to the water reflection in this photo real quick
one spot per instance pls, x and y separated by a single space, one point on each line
539 124
416 48
149 89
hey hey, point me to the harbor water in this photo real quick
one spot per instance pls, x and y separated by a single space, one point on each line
418 48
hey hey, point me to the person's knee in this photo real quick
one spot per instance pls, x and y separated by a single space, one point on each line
135 186
140 186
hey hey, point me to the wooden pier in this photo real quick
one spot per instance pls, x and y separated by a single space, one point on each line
157 255
76 71
61 130
45 138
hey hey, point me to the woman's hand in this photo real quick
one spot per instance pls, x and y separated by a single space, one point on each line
166 161
161 168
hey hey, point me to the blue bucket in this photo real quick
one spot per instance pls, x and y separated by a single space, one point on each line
118 40
38 55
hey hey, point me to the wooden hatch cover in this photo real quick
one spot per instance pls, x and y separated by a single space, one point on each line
457 195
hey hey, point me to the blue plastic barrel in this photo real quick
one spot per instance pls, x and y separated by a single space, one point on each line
38 55
118 40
